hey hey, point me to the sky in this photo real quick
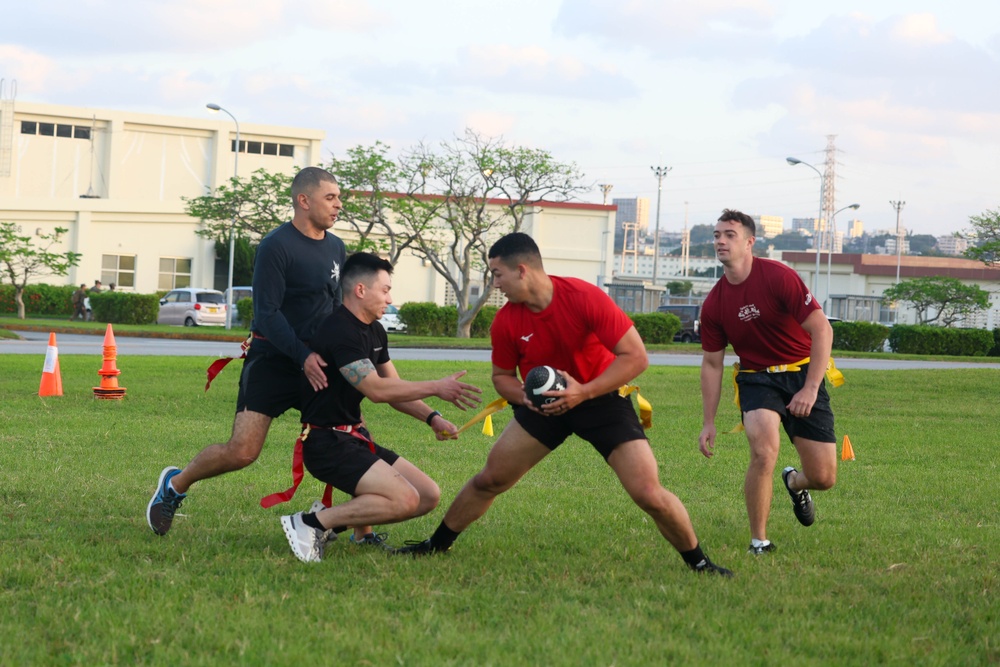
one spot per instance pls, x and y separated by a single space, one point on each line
719 91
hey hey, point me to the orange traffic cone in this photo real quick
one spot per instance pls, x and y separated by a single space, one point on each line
847 452
51 384
109 389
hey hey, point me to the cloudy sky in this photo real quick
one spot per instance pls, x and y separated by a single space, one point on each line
720 91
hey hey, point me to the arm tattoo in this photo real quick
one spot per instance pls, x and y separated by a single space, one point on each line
356 371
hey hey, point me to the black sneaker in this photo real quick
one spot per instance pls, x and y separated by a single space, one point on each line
707 566
802 502
164 503
373 540
761 549
415 548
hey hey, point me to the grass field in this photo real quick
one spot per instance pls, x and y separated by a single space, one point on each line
901 566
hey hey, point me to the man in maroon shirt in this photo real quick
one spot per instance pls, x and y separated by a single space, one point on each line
764 310
575 327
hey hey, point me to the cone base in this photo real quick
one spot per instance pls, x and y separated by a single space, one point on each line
109 394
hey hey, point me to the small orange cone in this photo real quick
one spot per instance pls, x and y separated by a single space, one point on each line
109 389
51 384
847 452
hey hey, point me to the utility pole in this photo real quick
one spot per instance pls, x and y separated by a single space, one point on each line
606 189
685 244
660 173
898 205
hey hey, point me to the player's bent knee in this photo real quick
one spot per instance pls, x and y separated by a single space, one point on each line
486 482
242 453
405 503
824 480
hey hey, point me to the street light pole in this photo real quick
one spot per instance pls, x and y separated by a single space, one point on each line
660 173
828 303
232 227
794 161
898 205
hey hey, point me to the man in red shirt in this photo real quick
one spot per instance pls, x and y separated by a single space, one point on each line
764 310
576 328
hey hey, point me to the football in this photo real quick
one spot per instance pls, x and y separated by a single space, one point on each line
541 379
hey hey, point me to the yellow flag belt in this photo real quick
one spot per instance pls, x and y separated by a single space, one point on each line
835 377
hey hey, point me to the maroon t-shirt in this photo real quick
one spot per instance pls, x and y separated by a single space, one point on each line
761 317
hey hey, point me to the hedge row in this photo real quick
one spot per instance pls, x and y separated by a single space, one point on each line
423 318
915 339
656 328
995 352
859 336
125 307
39 299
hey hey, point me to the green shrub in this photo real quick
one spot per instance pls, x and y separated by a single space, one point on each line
125 307
859 336
244 312
484 320
420 317
922 339
656 328
40 299
995 352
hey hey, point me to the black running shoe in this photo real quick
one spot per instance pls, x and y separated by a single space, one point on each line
802 502
762 549
164 503
414 548
707 566
373 540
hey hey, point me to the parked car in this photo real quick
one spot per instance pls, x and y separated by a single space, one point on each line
690 317
192 307
390 319
240 292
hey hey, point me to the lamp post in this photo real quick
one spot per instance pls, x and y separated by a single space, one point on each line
828 303
898 205
794 161
660 173
232 227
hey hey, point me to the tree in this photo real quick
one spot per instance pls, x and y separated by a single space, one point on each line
948 298
249 208
680 287
702 234
922 244
790 241
480 189
985 234
21 259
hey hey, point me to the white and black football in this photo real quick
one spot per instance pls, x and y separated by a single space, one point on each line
541 379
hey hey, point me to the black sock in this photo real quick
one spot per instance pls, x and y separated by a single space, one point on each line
311 521
695 557
443 537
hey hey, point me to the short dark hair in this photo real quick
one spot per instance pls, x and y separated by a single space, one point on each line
732 215
361 267
308 179
516 248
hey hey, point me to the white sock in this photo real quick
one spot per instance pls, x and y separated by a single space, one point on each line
759 543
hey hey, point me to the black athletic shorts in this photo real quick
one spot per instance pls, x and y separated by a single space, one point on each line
773 391
341 459
270 384
605 422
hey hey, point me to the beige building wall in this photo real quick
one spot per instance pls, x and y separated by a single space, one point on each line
116 180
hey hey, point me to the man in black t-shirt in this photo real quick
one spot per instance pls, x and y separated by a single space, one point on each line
295 286
337 447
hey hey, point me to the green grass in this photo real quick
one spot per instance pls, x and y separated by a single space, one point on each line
900 568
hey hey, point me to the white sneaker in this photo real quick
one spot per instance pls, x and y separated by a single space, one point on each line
306 542
328 535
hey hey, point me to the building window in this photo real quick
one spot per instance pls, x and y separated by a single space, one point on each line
64 130
81 132
286 150
29 127
263 148
47 129
118 269
175 272
253 147
270 149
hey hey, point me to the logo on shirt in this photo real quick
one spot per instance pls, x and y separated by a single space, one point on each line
335 272
377 349
527 339
749 312
809 298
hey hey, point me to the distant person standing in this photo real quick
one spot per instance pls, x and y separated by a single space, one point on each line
111 287
295 286
764 310
79 300
96 289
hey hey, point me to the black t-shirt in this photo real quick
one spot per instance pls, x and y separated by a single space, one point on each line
295 286
341 339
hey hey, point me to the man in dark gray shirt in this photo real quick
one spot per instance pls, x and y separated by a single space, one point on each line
295 286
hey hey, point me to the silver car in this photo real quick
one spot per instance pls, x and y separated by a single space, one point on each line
193 307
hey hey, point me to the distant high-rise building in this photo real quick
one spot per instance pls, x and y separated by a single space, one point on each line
952 245
769 226
808 225
855 228
634 210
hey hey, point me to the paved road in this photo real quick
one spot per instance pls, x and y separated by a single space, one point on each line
35 342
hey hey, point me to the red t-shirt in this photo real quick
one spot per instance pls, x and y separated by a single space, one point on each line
575 333
761 316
